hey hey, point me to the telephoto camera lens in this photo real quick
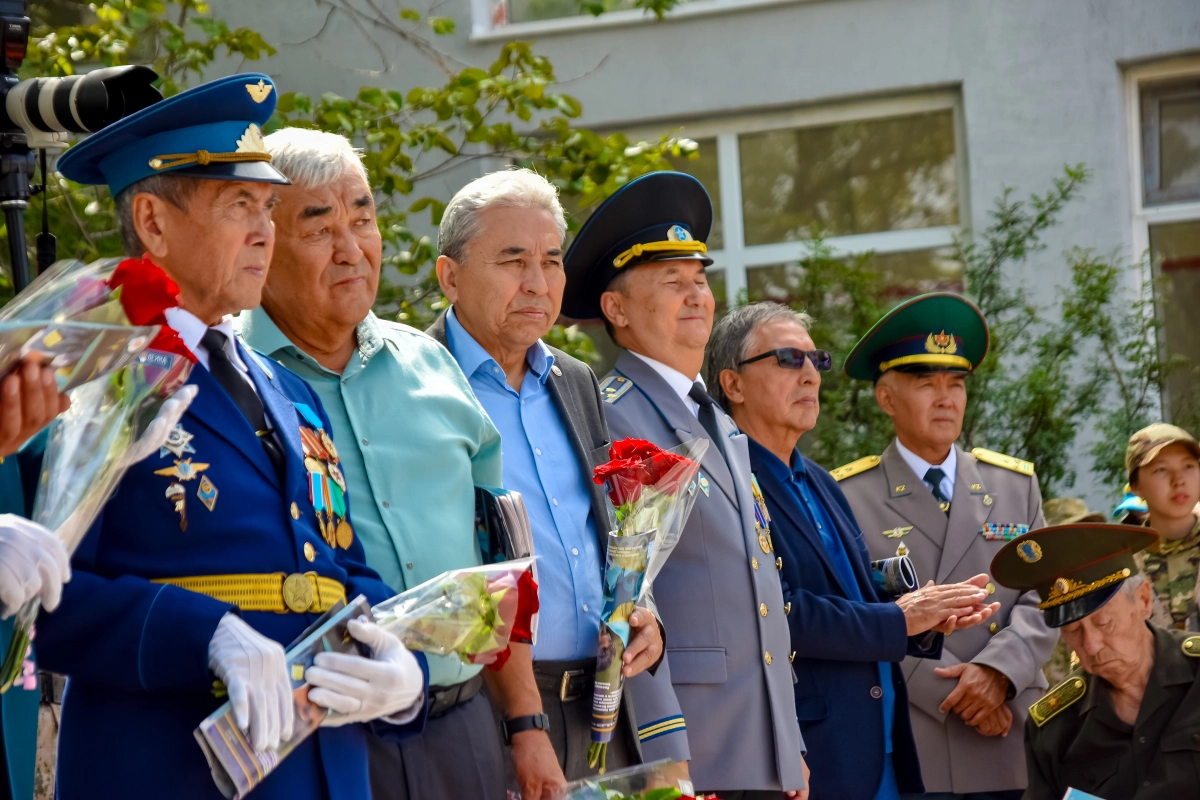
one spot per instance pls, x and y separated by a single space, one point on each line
81 103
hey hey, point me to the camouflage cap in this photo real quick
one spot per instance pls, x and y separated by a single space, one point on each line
1146 444
1068 511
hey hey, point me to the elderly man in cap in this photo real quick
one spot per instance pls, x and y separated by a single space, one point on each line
950 511
1123 725
501 268
413 443
723 695
1163 464
848 627
176 594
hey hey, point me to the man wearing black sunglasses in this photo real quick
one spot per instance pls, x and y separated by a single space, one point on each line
951 510
847 633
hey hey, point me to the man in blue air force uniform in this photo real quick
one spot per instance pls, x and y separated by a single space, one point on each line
211 554
722 697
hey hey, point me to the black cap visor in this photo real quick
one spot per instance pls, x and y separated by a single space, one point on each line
1080 607
249 171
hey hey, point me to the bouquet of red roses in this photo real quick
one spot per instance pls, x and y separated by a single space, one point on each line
103 327
650 492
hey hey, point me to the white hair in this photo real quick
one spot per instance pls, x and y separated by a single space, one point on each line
1130 585
514 188
313 159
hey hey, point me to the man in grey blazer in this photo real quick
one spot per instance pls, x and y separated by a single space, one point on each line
951 511
501 267
723 694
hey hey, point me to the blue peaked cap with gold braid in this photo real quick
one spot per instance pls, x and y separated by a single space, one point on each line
209 131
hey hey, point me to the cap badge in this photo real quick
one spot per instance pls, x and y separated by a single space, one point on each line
252 140
1029 551
259 91
678 233
942 343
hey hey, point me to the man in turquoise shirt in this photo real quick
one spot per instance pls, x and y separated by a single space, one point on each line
413 441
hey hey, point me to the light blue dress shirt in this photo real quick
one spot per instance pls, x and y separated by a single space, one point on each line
413 443
540 463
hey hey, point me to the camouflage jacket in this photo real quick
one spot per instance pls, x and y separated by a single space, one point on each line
1172 573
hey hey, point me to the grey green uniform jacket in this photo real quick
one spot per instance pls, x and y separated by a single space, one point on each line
737 711
954 757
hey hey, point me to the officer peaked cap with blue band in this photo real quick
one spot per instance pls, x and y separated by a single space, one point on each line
210 131
663 216
936 332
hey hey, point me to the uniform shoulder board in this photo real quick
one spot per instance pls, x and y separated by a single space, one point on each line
855 467
614 387
1001 460
1191 646
1058 699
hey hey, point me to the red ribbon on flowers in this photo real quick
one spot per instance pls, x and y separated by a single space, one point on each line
146 294
522 626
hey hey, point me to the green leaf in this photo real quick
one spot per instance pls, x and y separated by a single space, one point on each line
442 26
139 19
410 14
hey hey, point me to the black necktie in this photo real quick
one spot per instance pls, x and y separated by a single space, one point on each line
238 387
708 411
934 477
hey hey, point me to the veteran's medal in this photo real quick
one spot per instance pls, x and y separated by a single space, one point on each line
345 535
326 482
179 443
207 492
762 517
178 495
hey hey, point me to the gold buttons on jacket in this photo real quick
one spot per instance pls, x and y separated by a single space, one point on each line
762 609
295 511
787 608
994 627
767 657
310 552
991 588
778 563
792 657
754 563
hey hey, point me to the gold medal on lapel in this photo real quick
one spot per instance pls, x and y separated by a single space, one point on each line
327 442
763 543
183 470
345 535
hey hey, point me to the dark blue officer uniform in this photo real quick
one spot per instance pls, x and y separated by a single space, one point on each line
18 706
840 634
136 652
135 649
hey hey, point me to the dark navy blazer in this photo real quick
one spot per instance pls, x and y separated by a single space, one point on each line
838 644
136 652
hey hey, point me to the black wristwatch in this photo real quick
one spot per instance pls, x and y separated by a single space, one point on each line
532 722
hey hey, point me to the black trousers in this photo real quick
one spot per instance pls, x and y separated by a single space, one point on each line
570 715
459 756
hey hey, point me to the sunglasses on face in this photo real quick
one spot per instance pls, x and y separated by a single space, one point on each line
793 358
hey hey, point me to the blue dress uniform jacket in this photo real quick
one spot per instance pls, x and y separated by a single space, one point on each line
723 694
136 652
839 643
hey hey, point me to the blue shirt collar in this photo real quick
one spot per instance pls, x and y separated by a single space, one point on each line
259 331
781 472
471 355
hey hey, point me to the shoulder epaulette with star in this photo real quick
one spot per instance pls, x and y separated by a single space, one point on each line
1001 460
1057 700
614 387
854 467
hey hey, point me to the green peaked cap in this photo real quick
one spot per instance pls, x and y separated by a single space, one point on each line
940 332
1074 568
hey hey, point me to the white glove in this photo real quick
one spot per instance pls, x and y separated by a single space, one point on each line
358 689
156 433
254 671
33 563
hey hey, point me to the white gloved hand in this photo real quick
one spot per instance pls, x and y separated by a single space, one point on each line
156 433
359 689
33 563
254 671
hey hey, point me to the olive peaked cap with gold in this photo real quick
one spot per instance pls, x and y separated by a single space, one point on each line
938 332
209 131
1075 569
663 216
